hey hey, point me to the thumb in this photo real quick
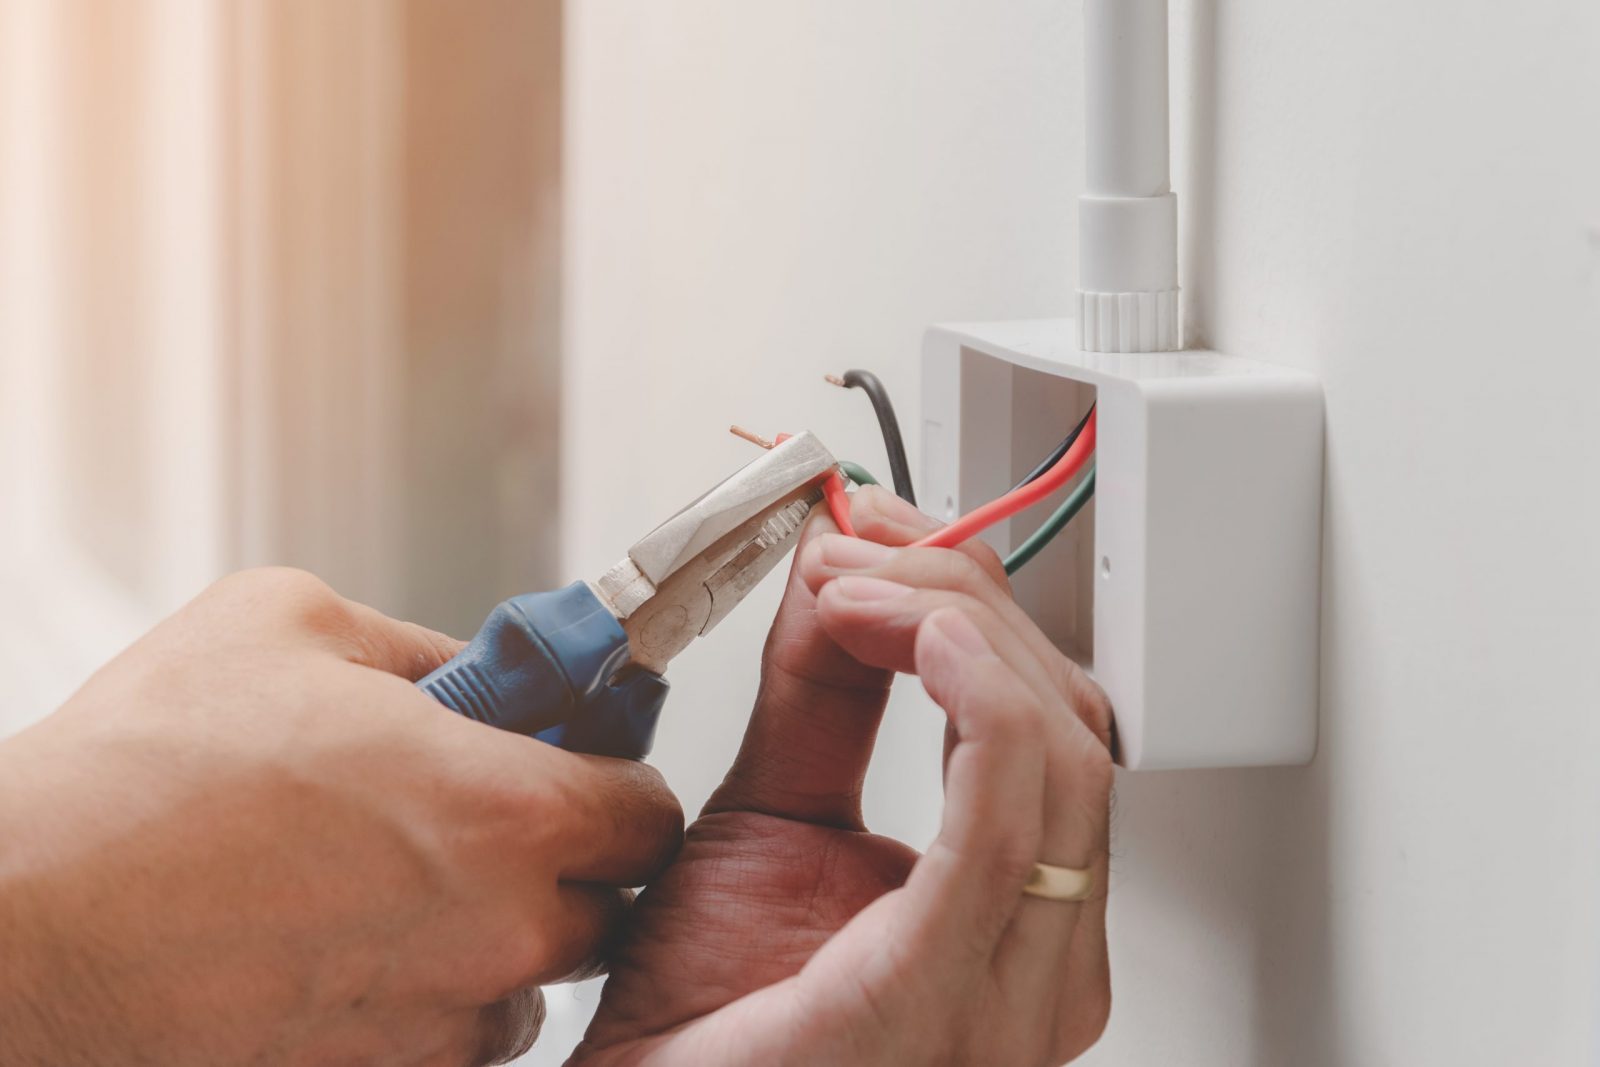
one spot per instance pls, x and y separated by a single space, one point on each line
810 737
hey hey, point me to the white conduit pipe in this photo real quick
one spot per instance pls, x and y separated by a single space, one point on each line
1128 215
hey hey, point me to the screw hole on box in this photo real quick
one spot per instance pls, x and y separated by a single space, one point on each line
1105 566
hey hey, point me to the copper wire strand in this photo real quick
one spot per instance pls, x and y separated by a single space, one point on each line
751 436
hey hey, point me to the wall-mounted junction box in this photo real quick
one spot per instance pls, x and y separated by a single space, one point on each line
1189 587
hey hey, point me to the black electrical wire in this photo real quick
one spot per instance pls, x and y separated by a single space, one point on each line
893 443
1056 453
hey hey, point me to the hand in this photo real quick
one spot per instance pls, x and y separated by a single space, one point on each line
784 933
249 839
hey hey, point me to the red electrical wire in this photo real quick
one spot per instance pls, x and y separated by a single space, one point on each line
980 518
838 503
1001 508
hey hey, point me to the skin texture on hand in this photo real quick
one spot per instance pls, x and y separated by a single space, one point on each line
785 933
250 839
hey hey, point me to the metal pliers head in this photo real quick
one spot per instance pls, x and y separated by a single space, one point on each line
687 574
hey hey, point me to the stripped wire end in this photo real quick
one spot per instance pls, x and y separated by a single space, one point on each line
834 379
751 436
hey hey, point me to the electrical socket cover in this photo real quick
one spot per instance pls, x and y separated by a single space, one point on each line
1190 587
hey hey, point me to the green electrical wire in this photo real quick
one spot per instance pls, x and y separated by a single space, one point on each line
857 473
1053 525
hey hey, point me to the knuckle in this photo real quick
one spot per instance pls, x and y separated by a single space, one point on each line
989 563
319 610
272 582
955 571
287 595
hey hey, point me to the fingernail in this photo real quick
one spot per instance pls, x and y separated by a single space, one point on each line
955 627
852 553
861 588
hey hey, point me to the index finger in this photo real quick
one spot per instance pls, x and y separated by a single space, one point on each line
287 607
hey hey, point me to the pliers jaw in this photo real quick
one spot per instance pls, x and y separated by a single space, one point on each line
686 575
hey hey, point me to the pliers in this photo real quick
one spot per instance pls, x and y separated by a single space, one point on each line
581 667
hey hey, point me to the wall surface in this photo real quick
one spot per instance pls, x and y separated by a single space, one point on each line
278 284
1404 199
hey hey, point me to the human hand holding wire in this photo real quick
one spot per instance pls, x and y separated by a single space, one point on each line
785 933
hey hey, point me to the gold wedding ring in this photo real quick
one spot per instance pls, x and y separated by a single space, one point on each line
1059 883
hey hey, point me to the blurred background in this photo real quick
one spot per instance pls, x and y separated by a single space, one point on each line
281 283
449 299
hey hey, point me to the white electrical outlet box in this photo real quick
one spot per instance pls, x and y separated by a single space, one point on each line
1189 587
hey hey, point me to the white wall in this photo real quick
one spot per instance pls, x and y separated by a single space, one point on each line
1404 198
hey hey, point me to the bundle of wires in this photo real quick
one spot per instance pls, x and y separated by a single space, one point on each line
1072 457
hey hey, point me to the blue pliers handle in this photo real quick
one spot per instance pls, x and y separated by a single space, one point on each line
554 666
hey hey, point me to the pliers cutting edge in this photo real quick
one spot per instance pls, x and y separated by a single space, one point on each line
582 666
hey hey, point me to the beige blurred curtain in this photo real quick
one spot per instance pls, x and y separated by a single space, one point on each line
278 284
